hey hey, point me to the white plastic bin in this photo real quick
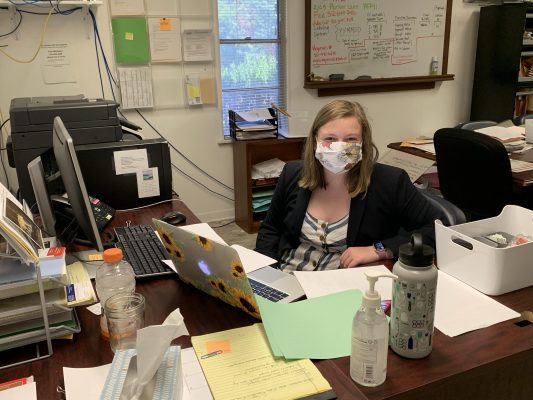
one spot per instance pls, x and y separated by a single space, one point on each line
488 269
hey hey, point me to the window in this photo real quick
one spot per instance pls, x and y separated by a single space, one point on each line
252 55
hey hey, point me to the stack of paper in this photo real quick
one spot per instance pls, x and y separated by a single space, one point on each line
261 200
318 328
268 169
238 364
504 134
255 124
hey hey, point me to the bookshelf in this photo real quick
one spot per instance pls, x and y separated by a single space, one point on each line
503 77
246 153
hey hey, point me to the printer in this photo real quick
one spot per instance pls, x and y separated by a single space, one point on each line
88 121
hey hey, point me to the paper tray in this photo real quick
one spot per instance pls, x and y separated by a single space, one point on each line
488 269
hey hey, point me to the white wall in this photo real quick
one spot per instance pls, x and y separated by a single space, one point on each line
196 132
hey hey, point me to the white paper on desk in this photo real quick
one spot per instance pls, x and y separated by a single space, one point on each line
428 148
520 166
204 230
503 133
251 259
414 165
320 283
76 387
27 391
195 386
460 308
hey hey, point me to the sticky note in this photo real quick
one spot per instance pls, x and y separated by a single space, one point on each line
128 35
164 24
219 345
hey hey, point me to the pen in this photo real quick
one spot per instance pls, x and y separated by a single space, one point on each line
281 110
212 354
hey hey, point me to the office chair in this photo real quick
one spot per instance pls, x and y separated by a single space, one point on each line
453 215
474 172
521 119
473 125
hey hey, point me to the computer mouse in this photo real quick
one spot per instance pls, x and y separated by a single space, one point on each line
173 217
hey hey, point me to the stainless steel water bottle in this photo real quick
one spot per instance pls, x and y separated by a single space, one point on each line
413 300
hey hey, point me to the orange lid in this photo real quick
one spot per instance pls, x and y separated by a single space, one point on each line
112 255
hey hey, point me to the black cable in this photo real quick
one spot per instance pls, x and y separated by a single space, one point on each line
98 63
4 149
109 74
66 12
201 184
181 154
16 27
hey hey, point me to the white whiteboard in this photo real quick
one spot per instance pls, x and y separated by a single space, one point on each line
376 38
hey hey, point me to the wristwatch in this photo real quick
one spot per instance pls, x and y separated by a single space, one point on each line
381 251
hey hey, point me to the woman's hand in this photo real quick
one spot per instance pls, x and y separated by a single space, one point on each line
354 256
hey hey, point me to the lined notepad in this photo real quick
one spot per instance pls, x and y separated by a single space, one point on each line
238 364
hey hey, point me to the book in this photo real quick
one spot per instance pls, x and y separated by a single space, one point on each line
16 382
18 228
80 290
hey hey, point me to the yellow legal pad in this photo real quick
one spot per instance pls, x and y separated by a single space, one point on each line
238 364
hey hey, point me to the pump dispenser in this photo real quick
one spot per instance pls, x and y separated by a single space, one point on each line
370 336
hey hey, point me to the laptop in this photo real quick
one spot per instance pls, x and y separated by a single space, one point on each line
216 269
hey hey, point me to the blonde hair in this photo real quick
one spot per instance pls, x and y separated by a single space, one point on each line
358 178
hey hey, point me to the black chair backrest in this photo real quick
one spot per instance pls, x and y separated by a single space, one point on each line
453 215
473 125
474 171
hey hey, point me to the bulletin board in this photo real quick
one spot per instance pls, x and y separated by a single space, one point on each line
376 44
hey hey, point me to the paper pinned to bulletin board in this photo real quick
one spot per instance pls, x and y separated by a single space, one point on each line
165 39
200 90
127 7
131 41
197 45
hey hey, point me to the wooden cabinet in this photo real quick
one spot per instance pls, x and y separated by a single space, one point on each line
246 153
502 85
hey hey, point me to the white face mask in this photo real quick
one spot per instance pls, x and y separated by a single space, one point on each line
338 157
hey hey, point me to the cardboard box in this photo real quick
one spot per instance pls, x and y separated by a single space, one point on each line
488 268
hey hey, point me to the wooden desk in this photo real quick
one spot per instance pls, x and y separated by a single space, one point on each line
520 179
491 363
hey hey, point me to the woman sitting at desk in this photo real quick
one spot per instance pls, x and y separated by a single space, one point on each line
339 208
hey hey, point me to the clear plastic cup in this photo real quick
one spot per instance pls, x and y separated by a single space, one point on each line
125 315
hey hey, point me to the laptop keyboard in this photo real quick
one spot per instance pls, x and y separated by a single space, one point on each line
266 292
142 249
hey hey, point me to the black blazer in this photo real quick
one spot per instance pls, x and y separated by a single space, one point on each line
390 210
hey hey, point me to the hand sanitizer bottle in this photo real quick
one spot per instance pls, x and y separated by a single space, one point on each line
370 337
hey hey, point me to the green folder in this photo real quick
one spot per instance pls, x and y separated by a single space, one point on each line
131 41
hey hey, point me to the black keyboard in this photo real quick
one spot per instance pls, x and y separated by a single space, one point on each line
142 249
266 292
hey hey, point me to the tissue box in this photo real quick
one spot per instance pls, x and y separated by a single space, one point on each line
166 384
489 269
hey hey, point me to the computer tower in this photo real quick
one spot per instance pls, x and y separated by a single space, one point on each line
120 187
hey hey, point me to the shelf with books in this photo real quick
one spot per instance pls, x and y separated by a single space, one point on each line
34 305
246 154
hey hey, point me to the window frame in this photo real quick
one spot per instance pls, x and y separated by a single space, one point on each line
281 87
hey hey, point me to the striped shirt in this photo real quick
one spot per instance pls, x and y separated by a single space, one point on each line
321 245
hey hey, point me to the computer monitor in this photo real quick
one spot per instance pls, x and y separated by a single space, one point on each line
72 178
42 197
